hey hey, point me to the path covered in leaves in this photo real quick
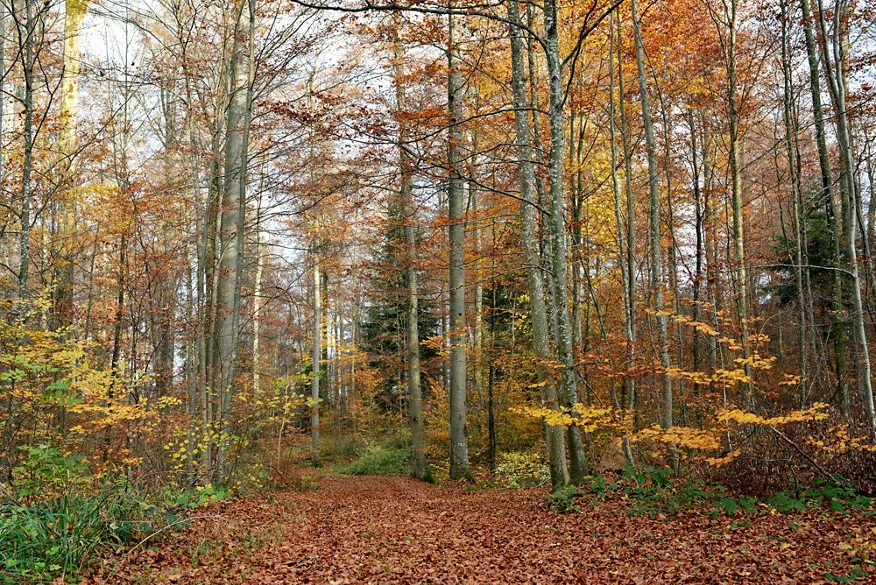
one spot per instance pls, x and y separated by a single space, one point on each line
396 530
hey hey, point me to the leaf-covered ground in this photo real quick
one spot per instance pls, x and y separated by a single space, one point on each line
397 530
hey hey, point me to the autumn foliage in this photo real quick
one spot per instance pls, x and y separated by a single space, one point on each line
521 244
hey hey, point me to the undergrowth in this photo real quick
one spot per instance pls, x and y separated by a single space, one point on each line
521 470
654 493
379 460
55 517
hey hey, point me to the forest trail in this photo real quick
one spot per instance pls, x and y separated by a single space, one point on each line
396 530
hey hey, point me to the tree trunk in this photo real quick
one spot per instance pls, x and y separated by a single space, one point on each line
656 245
316 355
838 82
232 222
529 243
459 467
27 164
797 219
412 333
829 201
577 458
74 13
738 228
257 301
625 248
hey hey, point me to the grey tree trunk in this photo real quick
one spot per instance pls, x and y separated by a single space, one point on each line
736 181
838 84
555 439
797 219
316 355
830 206
232 221
27 163
577 458
257 301
656 245
625 248
459 466
412 333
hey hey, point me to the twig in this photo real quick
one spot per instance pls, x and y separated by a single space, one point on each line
814 463
171 525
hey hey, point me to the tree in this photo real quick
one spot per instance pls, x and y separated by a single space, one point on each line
233 213
459 465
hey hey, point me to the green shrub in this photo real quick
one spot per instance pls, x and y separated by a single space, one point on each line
54 523
785 503
652 493
517 470
55 517
838 496
201 496
563 500
378 460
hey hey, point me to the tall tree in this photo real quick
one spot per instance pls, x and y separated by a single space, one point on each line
529 244
233 211
407 216
459 465
654 215
565 354
74 13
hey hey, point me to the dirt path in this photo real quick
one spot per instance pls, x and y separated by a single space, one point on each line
396 530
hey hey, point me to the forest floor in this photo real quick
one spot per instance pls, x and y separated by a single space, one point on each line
397 530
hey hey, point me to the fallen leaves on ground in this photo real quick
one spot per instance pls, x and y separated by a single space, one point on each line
382 530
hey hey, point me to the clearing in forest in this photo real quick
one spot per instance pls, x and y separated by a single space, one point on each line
397 530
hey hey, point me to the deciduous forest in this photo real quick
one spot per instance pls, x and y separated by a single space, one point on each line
437 291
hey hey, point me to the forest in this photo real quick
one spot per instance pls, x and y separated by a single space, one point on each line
330 291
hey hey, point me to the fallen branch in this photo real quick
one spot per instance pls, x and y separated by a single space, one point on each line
826 473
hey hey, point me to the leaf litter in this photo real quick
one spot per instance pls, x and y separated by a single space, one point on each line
394 530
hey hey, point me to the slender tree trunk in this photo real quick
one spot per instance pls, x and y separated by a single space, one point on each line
257 301
232 223
459 466
698 231
830 206
577 458
736 182
656 246
412 333
624 245
837 83
74 13
797 218
27 163
540 188
316 355
529 244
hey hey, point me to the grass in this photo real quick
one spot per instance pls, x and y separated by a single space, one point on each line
58 536
379 460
